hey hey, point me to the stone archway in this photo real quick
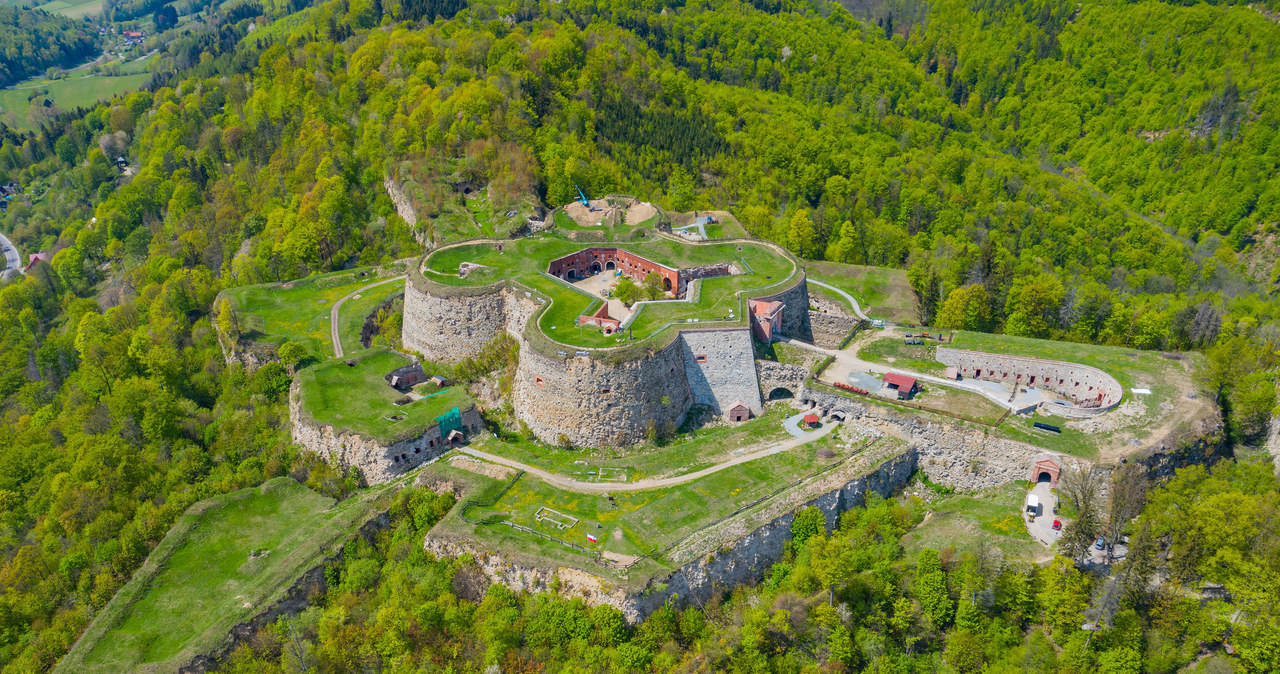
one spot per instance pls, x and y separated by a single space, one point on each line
571 275
666 284
609 265
1044 477
781 393
595 267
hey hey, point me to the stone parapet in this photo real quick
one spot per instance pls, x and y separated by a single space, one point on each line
1092 390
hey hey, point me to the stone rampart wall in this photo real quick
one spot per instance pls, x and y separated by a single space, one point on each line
720 368
795 312
1088 387
449 329
780 375
596 403
378 462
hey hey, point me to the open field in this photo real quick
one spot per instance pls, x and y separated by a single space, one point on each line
17 111
226 559
956 401
297 311
961 522
355 310
686 453
357 398
883 292
892 351
524 260
73 8
634 523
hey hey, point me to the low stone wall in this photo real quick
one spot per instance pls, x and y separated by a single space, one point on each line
1092 390
378 462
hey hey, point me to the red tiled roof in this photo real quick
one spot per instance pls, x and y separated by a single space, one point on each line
902 382
811 418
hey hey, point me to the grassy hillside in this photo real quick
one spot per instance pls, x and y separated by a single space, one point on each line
225 560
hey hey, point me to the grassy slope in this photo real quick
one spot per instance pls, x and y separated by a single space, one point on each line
882 292
199 581
67 94
685 454
355 310
962 521
274 314
358 398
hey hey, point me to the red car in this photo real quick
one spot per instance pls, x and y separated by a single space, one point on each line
1057 525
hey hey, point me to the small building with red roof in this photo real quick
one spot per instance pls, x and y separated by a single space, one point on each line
904 385
766 319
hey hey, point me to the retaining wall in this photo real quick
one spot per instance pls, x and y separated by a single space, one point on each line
830 329
451 328
795 312
1091 389
378 462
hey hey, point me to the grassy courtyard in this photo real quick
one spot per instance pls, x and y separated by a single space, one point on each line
357 398
298 311
893 351
225 560
524 261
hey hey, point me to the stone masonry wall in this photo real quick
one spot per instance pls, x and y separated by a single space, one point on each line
595 403
780 375
450 328
795 312
728 373
830 329
378 462
1087 386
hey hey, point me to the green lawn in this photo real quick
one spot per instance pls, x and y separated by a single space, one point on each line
524 260
203 578
353 312
636 522
961 522
78 91
297 311
893 352
883 292
357 398
684 454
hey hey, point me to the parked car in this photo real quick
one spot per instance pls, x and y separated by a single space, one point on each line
1100 543
1057 525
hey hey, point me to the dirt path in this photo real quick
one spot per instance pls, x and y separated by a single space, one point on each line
333 313
568 484
857 309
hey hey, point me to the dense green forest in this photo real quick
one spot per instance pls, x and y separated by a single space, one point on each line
1103 172
34 40
846 600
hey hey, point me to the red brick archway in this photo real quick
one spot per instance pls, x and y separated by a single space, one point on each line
1046 470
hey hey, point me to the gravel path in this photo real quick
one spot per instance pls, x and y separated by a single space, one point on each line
333 313
857 308
562 482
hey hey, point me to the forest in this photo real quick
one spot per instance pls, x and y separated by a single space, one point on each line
1100 172
35 40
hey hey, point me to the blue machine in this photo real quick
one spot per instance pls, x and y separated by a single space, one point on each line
582 197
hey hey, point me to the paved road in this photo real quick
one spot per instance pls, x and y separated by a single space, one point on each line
847 362
857 309
1041 528
333 313
13 261
562 482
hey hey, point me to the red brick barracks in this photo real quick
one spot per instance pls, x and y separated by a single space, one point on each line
595 260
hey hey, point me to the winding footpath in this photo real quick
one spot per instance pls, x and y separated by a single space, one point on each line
857 309
568 484
333 313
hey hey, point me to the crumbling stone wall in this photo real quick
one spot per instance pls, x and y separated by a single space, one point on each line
451 328
830 329
1093 390
795 312
378 462
720 368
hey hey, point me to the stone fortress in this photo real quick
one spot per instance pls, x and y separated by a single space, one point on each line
1089 390
610 396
